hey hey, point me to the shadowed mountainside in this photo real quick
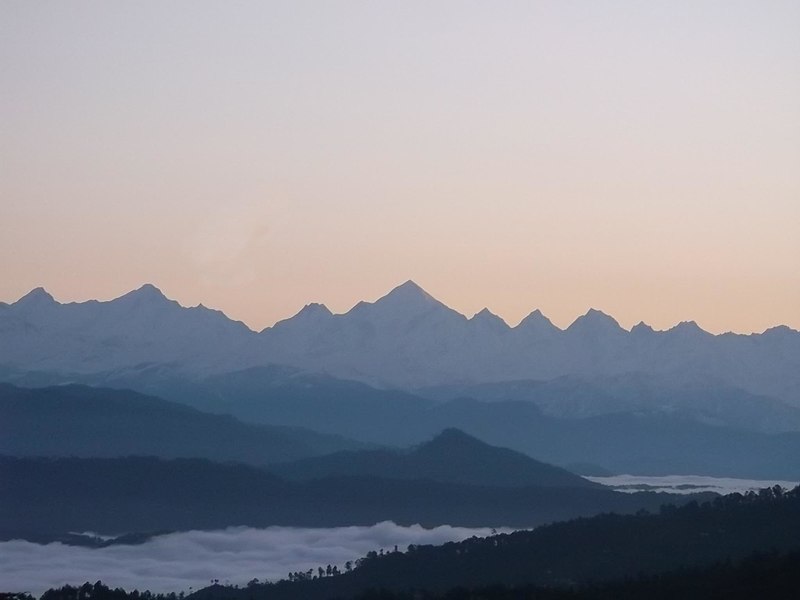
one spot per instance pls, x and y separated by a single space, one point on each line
451 457
77 420
647 444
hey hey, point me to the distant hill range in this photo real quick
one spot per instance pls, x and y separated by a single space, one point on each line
81 421
405 340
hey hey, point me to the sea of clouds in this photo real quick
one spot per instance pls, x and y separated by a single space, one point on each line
190 560
688 484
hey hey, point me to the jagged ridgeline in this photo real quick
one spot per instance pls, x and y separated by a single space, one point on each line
399 370
407 339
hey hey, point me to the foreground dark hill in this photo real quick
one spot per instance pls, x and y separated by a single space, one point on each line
77 420
772 575
562 555
451 457
762 575
119 495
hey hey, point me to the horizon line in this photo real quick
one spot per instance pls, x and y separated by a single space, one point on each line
406 285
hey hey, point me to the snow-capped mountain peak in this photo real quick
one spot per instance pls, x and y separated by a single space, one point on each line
37 296
311 314
487 319
537 322
407 338
595 322
405 301
408 292
148 293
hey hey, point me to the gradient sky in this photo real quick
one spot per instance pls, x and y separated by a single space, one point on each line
642 158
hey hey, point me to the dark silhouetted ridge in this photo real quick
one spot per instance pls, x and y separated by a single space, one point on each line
450 457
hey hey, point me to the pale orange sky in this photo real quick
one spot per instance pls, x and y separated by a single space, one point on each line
640 158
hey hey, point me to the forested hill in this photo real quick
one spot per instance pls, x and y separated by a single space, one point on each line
601 548
772 575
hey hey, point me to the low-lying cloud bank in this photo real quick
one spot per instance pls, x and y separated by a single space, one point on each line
688 484
180 561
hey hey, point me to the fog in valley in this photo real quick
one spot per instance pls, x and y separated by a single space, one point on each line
180 561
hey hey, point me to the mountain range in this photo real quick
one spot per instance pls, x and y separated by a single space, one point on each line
92 421
405 340
399 370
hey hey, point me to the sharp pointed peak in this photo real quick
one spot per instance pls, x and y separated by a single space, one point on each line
408 289
536 318
37 295
594 318
147 292
406 296
596 314
410 284
486 316
148 289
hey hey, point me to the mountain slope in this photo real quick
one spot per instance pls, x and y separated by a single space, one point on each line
452 456
76 420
